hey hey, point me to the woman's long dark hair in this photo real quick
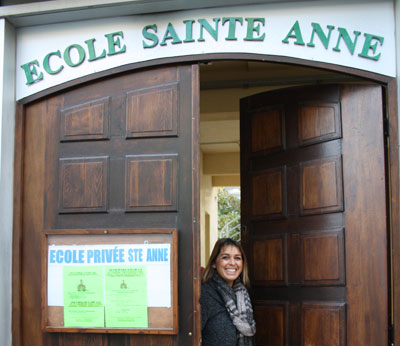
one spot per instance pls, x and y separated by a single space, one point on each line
209 272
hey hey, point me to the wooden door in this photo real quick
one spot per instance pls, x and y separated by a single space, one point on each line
314 215
112 154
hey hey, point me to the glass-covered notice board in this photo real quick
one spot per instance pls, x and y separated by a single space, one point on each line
113 281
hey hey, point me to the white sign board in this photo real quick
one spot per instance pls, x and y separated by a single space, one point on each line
354 35
155 257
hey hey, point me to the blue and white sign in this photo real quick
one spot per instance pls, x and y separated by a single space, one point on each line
156 258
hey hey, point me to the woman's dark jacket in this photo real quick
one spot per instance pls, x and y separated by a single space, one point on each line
216 324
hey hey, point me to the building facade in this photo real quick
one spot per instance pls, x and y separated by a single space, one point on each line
118 121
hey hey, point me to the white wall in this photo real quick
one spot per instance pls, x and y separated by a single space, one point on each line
373 17
7 126
209 205
397 22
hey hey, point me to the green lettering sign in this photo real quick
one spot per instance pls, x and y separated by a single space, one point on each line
150 36
114 41
324 39
251 28
346 37
46 63
67 55
92 53
212 31
170 34
189 30
295 32
232 27
31 71
368 45
75 54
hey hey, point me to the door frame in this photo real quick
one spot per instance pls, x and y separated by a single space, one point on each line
392 156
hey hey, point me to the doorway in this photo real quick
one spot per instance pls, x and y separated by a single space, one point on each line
222 85
307 279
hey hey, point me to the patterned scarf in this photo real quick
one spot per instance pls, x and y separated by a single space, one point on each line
238 304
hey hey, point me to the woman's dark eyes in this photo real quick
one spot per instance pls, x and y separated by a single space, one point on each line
236 258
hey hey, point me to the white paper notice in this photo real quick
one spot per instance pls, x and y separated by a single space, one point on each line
156 258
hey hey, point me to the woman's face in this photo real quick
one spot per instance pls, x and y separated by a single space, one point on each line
229 263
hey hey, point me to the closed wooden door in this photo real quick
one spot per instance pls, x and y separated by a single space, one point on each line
112 154
314 215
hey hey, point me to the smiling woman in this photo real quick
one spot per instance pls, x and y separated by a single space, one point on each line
226 310
229 264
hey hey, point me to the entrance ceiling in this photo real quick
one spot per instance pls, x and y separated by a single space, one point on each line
224 83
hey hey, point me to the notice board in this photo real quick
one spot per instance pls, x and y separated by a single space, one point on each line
111 280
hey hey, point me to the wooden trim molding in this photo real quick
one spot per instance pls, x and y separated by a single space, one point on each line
206 58
196 202
17 226
393 190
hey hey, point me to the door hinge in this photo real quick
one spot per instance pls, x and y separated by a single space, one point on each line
386 126
391 335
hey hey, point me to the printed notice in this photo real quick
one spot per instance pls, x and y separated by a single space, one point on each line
83 296
126 297
155 258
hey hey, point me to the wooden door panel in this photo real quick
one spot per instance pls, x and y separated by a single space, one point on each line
327 249
32 212
275 326
68 339
267 129
323 324
321 186
313 206
152 112
86 121
270 260
269 193
151 182
271 257
83 184
318 122
116 153
364 187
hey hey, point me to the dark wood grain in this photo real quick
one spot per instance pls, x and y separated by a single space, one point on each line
365 199
17 227
393 202
332 224
275 316
33 209
73 166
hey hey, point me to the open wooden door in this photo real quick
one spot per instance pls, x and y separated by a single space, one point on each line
314 215
120 153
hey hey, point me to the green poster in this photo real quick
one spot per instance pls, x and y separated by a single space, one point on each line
83 296
126 297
